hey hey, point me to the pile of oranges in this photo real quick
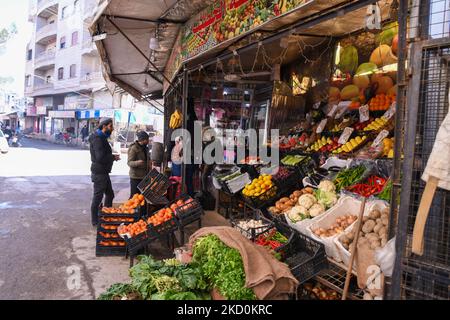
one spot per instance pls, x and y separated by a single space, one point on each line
160 217
128 207
381 102
133 229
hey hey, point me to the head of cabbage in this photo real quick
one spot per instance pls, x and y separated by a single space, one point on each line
326 198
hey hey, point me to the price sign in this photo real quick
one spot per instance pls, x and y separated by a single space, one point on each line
332 111
342 108
390 112
322 125
383 134
345 135
364 113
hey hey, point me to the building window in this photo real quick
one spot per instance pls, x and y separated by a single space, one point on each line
28 81
62 43
74 38
63 12
48 79
29 55
76 5
60 73
73 70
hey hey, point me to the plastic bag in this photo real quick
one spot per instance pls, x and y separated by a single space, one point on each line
385 257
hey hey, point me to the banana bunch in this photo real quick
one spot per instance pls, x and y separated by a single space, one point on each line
176 119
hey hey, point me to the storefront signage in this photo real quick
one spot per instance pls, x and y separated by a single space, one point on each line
225 20
383 134
61 114
364 113
41 111
345 135
107 113
31 111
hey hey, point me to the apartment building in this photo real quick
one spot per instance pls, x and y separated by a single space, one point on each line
63 70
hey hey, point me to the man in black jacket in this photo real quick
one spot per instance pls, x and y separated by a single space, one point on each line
102 162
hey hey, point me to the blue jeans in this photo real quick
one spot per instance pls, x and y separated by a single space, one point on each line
176 170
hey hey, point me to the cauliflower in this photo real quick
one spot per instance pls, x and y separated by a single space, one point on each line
316 209
307 200
327 199
298 213
327 185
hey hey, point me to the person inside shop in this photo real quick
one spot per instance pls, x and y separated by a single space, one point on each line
177 157
138 161
84 133
102 159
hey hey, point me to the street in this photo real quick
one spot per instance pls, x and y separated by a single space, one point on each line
47 244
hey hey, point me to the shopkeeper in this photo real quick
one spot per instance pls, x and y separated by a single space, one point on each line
102 161
138 161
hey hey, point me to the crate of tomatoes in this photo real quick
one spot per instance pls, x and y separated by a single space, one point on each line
162 222
186 209
130 208
135 235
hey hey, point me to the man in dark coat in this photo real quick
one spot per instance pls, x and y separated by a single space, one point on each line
138 161
102 161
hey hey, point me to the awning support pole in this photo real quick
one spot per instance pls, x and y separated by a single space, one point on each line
184 113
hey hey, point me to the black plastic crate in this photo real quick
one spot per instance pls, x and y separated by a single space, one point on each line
164 228
269 196
188 213
155 182
290 182
101 220
138 242
108 235
154 199
305 256
253 233
101 227
109 250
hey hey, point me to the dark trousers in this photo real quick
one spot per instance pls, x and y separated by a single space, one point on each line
102 186
134 186
190 170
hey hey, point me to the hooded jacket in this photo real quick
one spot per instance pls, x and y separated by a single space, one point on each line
137 152
101 154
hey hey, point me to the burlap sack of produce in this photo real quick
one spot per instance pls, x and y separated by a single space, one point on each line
269 278
369 273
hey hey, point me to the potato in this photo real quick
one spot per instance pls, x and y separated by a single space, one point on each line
385 221
378 227
378 220
383 242
290 203
295 199
386 211
291 197
374 214
283 200
382 232
308 190
297 193
344 239
368 226
365 219
375 244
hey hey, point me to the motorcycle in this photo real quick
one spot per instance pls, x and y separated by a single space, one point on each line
15 141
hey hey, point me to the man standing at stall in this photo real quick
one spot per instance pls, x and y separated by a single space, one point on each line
138 161
102 161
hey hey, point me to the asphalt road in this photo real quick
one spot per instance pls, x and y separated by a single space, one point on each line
47 244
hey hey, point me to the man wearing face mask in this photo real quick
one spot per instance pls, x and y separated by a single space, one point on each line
102 161
138 161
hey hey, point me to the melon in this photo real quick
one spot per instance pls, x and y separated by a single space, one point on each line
385 83
334 93
361 81
383 56
366 68
349 92
348 61
374 78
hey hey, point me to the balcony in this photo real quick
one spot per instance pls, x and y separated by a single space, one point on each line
40 89
46 33
28 90
89 48
47 7
45 60
93 79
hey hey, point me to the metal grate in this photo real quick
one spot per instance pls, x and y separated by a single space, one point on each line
439 24
428 276
334 278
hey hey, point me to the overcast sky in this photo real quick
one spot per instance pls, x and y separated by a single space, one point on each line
12 62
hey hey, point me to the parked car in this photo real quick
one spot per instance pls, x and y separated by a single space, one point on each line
4 147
